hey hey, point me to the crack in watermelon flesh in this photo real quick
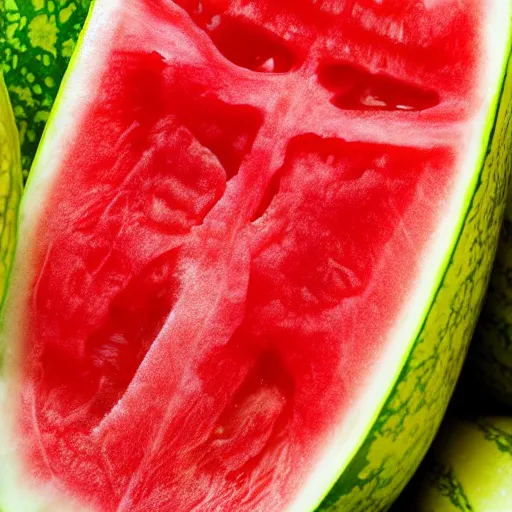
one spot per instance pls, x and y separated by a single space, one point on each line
231 236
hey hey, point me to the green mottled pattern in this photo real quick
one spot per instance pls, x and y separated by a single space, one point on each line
37 38
444 480
491 356
492 432
412 414
10 189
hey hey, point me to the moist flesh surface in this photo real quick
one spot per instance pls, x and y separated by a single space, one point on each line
232 234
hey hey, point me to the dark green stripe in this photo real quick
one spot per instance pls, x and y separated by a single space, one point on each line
445 481
502 439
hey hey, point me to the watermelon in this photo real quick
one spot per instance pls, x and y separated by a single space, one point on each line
10 193
253 246
490 362
37 39
470 468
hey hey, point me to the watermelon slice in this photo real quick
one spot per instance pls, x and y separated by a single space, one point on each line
254 244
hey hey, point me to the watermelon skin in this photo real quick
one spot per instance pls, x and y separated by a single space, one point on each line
410 417
10 193
38 40
469 468
409 420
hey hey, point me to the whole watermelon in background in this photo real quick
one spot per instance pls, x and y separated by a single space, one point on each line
469 469
253 247
37 38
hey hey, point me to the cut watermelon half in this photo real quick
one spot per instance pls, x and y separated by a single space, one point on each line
234 232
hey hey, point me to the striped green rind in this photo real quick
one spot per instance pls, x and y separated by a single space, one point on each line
491 356
469 469
37 38
411 416
10 190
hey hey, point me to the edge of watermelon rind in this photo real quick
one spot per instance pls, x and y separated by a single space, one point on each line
35 499
55 108
19 182
487 131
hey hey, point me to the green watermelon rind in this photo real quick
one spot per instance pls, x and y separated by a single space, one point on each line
405 421
11 187
37 38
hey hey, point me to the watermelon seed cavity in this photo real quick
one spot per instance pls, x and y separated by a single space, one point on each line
357 89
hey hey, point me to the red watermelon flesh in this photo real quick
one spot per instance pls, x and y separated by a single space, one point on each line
248 198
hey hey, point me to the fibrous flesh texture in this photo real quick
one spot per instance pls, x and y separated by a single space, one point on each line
248 197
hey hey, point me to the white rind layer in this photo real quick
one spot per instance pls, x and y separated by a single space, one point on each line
16 493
